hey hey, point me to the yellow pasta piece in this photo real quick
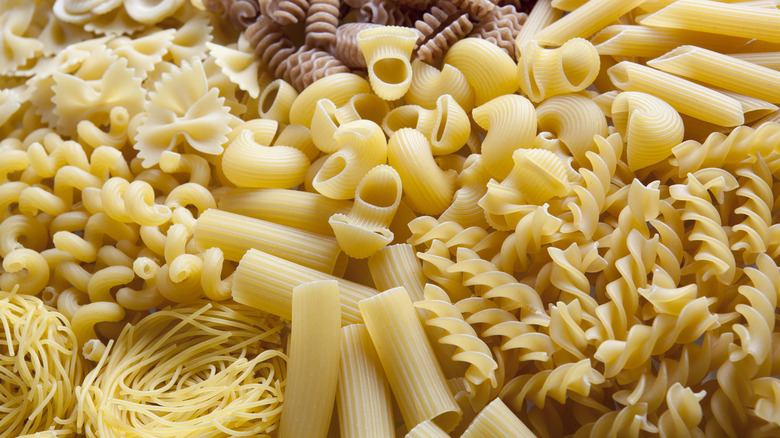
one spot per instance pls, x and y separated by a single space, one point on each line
447 126
548 72
496 420
415 376
266 282
427 188
248 163
327 117
364 230
511 122
574 120
650 127
235 234
427 429
650 42
584 21
733 19
428 84
397 265
364 399
276 100
387 50
313 365
361 147
490 71
542 15
684 96
543 175
339 88
733 74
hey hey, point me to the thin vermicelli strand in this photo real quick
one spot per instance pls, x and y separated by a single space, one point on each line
208 370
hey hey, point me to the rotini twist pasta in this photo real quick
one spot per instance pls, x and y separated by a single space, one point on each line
438 30
269 42
284 12
501 27
242 13
435 263
577 377
322 19
458 333
385 13
115 137
751 235
306 66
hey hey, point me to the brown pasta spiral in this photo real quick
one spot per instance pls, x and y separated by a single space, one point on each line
440 28
476 8
520 5
306 65
241 13
269 42
284 12
322 19
346 48
501 27
420 5
385 13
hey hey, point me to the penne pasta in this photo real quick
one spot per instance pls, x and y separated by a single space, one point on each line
732 19
364 401
584 21
395 266
683 95
650 42
266 282
235 234
542 15
708 67
764 59
313 367
415 376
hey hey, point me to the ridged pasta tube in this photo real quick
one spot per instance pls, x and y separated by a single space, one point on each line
388 50
489 70
542 175
511 123
447 126
276 100
574 120
247 163
549 72
364 230
649 126
427 188
362 146
496 420
266 282
415 376
584 21
235 234
26 269
339 88
328 117
397 265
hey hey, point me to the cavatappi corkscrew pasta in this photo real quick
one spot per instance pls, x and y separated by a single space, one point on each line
378 218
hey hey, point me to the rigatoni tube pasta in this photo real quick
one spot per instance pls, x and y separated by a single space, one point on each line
313 366
415 376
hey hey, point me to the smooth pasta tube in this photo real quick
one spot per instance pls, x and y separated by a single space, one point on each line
489 69
650 127
722 71
246 163
574 120
266 282
685 96
313 367
584 21
387 50
365 230
364 401
511 123
415 376
339 88
428 189
362 146
276 100
429 84
293 208
235 234
395 266
549 72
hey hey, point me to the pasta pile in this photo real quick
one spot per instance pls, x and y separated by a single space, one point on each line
560 224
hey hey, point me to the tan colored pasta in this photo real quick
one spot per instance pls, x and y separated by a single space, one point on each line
266 282
307 65
322 19
269 42
438 31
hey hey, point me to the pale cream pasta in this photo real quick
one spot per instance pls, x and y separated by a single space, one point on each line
733 19
328 117
276 100
313 365
496 420
572 119
650 127
429 83
545 73
490 70
584 21
706 66
387 50
427 188
235 234
364 230
650 42
683 95
542 15
265 282
397 265
247 163
414 374
363 398
511 123
339 88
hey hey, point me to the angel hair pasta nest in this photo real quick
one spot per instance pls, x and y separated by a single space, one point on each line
39 367
203 370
